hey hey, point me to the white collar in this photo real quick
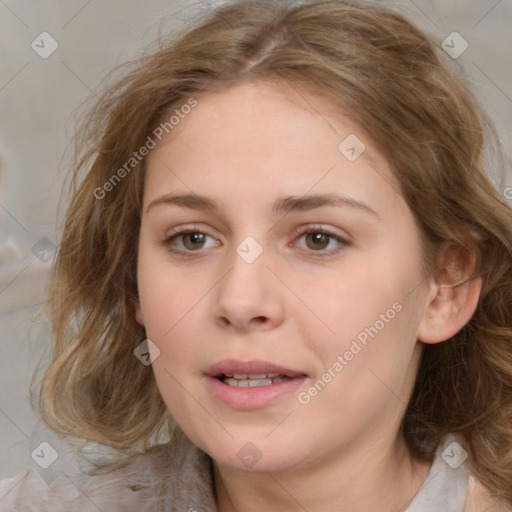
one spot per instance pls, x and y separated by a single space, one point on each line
447 482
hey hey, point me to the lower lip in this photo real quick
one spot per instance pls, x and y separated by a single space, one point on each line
253 398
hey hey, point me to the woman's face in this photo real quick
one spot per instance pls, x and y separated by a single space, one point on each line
297 258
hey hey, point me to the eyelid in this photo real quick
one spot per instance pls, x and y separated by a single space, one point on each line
320 228
184 227
297 231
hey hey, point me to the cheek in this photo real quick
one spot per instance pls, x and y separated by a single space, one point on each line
343 305
167 293
367 320
378 365
172 298
371 378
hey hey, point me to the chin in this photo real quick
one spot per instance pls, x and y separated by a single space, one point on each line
247 457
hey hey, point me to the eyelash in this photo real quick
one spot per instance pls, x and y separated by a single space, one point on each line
298 232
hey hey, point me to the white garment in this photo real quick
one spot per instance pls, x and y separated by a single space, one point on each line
447 482
192 490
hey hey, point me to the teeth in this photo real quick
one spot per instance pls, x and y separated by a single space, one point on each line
253 382
240 376
257 382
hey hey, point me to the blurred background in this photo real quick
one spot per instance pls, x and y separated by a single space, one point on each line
53 55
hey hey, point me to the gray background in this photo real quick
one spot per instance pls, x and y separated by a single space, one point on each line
38 100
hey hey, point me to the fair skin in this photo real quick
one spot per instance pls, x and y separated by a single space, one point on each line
246 147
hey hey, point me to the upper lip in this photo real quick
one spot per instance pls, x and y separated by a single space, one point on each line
251 367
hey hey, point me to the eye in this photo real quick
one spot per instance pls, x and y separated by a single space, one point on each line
319 239
188 240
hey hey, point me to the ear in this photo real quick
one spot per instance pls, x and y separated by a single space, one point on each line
139 315
454 294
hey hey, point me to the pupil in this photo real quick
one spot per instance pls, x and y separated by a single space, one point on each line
320 240
194 238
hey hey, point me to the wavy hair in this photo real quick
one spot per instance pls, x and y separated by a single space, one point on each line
388 76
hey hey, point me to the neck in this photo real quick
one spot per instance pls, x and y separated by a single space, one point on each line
383 478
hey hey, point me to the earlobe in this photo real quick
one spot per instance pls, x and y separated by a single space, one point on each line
454 296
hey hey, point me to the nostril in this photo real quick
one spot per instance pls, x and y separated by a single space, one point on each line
225 321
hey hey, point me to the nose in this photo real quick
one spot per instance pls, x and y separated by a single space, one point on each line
248 297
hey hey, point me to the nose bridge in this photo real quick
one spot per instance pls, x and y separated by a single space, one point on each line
246 278
247 291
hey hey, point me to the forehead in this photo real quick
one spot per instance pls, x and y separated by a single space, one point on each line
263 137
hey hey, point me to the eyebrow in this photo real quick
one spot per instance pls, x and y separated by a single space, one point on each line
281 206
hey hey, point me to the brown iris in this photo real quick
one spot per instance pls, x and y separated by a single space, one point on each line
196 240
319 240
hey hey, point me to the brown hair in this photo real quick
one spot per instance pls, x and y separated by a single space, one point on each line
385 74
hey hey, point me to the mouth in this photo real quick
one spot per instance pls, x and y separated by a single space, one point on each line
249 374
252 385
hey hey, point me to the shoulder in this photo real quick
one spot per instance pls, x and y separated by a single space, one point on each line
177 477
22 490
479 499
28 492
